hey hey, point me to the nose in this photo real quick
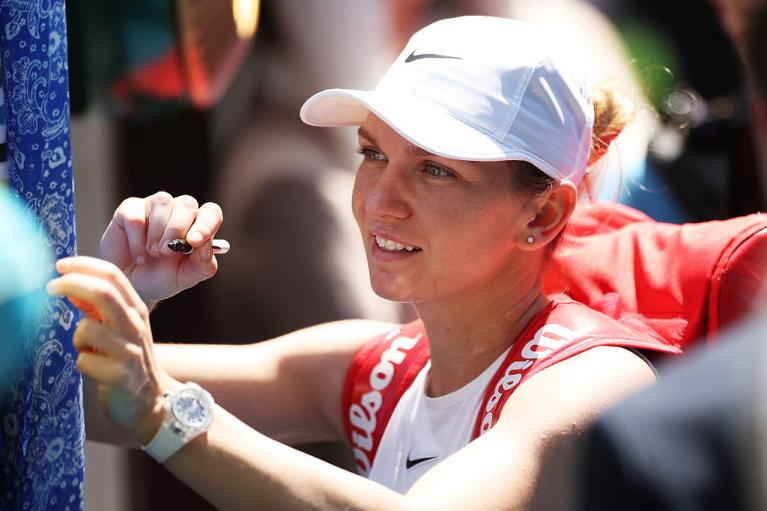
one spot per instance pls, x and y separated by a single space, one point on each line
386 193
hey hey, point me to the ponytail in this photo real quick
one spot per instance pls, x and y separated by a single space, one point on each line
612 112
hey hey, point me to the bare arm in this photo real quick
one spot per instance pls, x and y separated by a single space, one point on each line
500 470
288 388
236 467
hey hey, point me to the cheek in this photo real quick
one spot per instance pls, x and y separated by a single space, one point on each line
490 230
359 193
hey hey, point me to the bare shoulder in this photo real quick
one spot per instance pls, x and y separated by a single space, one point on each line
568 395
555 406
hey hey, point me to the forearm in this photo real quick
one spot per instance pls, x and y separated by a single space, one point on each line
234 467
246 381
287 388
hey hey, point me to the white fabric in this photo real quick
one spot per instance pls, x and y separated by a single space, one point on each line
426 427
477 88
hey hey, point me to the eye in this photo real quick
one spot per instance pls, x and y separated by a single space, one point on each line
371 154
437 171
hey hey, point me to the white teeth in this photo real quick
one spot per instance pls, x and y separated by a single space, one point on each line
392 245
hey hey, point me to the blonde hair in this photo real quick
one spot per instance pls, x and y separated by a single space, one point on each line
613 111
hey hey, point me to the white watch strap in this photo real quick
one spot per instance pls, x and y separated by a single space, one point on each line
165 443
172 435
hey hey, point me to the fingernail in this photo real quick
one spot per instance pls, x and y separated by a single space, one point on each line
194 237
52 288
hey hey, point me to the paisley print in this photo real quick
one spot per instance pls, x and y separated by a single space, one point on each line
41 421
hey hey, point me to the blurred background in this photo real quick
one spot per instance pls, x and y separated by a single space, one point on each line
202 97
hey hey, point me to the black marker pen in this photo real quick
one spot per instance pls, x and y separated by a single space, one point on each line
179 245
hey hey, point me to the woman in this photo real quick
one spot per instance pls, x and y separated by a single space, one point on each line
472 146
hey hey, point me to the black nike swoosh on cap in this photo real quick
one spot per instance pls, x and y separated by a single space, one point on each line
410 463
413 56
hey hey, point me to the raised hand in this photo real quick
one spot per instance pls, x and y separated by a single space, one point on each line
136 240
114 341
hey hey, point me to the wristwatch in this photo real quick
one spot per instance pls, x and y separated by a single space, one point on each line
189 413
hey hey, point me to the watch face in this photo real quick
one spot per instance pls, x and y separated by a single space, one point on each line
192 409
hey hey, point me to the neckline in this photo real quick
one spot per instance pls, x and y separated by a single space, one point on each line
459 395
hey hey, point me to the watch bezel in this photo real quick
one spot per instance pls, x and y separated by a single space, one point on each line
206 400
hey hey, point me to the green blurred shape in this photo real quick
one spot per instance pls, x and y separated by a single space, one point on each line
654 59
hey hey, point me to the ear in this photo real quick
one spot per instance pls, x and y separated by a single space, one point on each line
551 212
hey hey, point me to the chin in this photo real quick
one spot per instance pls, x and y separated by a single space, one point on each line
389 290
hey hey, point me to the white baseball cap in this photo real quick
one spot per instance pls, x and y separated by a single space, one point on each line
477 88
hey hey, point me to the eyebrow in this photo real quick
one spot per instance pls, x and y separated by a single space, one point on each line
412 149
362 132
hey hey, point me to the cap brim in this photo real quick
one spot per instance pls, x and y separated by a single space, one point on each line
441 135
336 107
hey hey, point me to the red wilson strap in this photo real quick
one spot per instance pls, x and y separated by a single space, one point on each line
380 373
562 330
385 368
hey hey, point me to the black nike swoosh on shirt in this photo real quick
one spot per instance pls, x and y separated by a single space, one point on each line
410 463
413 56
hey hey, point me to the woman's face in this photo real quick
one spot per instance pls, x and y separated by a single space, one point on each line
434 227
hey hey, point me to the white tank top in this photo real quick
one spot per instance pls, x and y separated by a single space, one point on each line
425 430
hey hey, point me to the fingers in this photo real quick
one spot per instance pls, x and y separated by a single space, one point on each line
126 234
115 372
102 369
144 226
207 223
160 208
105 298
204 222
105 270
92 335
198 266
134 224
98 345
180 218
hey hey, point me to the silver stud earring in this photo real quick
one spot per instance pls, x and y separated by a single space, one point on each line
530 240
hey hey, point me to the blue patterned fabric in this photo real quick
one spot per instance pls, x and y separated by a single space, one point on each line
3 147
42 418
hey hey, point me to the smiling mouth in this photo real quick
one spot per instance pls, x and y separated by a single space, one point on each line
393 246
